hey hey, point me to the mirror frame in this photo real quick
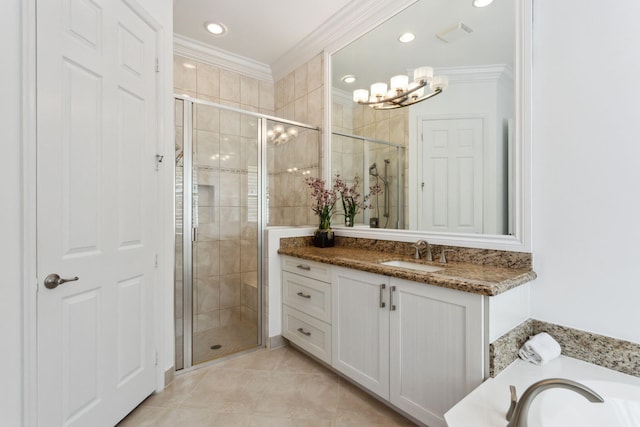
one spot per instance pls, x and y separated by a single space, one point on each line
520 241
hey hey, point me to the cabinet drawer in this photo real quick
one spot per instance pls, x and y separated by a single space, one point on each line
310 296
310 334
311 269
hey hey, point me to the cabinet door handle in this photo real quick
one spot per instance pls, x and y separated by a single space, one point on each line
392 306
300 294
303 267
382 288
303 332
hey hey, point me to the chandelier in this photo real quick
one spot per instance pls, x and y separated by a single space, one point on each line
402 93
278 135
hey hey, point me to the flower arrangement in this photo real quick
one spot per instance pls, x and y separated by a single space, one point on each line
352 200
325 201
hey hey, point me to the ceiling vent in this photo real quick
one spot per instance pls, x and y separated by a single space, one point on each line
454 33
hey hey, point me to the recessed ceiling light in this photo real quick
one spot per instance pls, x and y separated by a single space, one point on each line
188 65
482 3
215 28
406 37
349 78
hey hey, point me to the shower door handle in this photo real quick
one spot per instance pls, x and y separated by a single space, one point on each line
52 281
194 234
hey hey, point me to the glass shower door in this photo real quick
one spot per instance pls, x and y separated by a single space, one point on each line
219 298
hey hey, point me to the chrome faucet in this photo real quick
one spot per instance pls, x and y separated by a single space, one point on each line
417 245
517 414
443 256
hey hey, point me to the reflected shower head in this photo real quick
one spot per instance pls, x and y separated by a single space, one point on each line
373 171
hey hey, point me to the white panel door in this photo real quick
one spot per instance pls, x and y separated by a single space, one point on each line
451 175
436 349
96 216
360 328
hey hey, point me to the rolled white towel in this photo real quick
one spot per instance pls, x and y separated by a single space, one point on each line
540 349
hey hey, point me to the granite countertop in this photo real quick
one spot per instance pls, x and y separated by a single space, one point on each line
474 278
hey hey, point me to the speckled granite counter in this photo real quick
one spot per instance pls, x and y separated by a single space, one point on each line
474 278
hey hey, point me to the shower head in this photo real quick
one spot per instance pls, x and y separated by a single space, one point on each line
373 171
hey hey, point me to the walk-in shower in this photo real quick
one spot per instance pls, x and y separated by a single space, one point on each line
222 197
375 162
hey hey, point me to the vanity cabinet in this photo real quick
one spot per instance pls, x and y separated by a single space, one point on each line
418 346
360 328
436 348
306 309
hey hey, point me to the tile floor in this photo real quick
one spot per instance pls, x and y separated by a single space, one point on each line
279 388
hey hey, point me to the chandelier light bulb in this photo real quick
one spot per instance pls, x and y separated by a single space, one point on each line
439 82
400 82
378 89
360 95
422 73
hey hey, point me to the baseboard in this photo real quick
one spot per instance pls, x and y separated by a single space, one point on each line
169 375
276 341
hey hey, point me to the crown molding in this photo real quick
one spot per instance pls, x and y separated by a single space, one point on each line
476 73
201 52
358 17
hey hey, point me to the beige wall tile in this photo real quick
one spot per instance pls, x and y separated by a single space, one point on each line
266 96
300 79
184 78
289 87
229 257
249 91
229 86
208 80
314 107
229 290
300 109
315 72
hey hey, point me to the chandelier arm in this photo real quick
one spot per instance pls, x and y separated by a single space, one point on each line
394 105
403 94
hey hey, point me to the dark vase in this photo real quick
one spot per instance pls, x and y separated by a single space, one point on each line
323 238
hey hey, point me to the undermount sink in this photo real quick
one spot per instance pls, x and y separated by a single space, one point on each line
561 408
413 266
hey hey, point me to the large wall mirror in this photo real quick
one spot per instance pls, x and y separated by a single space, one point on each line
455 167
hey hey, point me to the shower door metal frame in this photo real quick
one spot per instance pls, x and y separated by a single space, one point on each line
188 233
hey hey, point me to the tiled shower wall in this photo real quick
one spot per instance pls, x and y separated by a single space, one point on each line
298 97
225 255
389 125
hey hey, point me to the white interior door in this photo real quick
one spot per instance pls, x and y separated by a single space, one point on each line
96 186
452 175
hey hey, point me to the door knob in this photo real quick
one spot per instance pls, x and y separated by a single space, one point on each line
53 280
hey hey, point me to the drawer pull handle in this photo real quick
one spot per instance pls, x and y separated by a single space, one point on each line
392 306
382 287
303 332
300 294
303 267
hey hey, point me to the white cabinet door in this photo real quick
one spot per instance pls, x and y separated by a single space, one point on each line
436 343
361 328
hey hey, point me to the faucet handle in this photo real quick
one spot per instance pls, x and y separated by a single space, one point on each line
443 257
514 402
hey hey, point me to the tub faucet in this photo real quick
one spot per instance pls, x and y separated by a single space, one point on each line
417 245
517 415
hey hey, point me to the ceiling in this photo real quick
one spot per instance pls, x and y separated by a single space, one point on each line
257 29
378 55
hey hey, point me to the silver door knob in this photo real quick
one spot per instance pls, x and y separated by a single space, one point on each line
53 280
